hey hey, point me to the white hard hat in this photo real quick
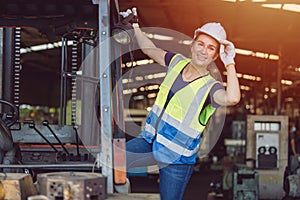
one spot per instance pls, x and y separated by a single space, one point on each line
212 29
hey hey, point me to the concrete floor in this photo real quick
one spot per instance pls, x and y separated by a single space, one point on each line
197 188
133 196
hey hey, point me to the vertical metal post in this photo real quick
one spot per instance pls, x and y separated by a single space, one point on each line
1 61
8 52
11 65
17 66
86 87
74 66
279 88
119 141
63 83
105 93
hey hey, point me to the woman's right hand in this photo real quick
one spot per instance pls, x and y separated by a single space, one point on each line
134 20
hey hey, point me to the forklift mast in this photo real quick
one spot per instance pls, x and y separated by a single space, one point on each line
110 144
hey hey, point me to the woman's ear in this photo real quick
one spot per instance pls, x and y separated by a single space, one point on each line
191 46
216 56
192 43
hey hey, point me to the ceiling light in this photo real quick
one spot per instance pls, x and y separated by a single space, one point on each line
246 76
79 72
139 78
130 91
45 46
243 52
127 80
151 95
142 89
256 54
144 62
249 77
152 87
185 42
138 63
156 75
159 37
130 64
291 7
273 57
244 87
139 97
289 99
261 55
276 6
286 82
287 7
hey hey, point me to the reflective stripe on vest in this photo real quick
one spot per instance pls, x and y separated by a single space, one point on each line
179 129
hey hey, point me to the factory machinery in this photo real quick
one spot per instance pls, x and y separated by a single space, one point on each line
267 172
60 168
81 159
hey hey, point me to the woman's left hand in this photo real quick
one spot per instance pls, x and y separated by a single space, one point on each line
227 52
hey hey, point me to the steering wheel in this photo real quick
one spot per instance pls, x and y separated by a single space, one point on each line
7 120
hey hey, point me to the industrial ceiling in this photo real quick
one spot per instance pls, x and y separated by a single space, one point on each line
261 30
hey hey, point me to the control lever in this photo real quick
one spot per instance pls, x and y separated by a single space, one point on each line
75 127
32 125
46 123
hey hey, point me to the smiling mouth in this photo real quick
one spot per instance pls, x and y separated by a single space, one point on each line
201 58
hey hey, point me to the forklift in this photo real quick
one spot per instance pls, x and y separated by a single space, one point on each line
82 156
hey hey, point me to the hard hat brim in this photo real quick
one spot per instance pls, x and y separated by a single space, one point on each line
199 31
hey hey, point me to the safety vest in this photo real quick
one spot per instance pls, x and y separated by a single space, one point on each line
175 129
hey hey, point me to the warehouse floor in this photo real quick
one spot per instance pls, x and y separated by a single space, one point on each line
197 188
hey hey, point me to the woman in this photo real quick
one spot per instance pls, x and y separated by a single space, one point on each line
187 98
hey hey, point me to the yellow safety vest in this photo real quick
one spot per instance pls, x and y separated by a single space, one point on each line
176 128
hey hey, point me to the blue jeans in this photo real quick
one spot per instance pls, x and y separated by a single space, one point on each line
173 178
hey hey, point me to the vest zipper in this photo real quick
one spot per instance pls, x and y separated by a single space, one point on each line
156 124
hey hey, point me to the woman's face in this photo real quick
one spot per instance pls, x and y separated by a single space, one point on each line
204 50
